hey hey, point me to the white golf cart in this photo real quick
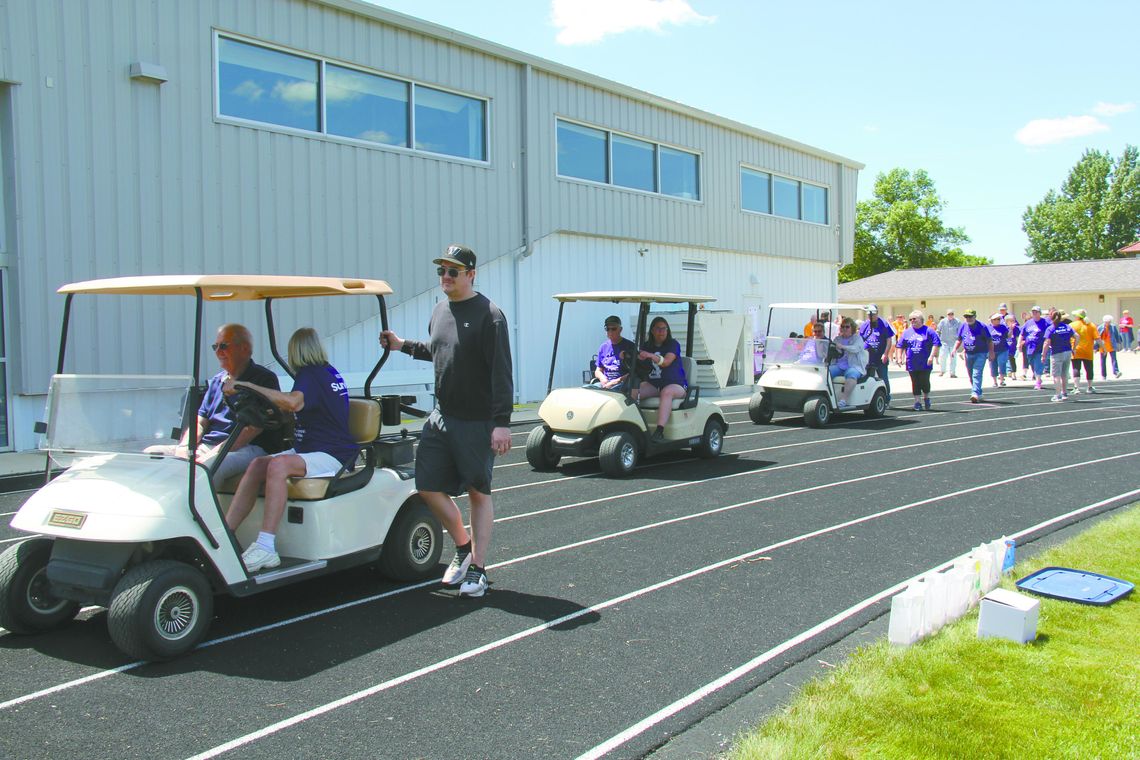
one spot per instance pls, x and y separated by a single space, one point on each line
143 535
796 372
588 422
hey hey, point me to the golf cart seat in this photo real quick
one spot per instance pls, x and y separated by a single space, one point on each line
838 381
364 427
692 393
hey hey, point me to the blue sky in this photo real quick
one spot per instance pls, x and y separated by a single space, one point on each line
997 100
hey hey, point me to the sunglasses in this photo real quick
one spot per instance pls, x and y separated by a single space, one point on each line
449 271
613 328
220 346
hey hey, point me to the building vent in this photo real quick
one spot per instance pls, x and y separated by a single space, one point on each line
694 266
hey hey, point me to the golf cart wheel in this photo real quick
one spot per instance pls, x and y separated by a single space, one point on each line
160 610
618 454
878 405
816 412
712 440
538 449
413 545
26 602
760 409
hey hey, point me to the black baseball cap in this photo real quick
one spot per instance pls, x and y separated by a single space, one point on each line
612 319
457 255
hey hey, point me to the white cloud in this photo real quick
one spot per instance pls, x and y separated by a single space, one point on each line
248 90
586 21
1113 109
296 93
1048 131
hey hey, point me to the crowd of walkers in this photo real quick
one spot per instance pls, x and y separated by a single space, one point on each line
1055 344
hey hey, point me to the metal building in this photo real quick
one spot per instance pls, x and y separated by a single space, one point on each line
333 137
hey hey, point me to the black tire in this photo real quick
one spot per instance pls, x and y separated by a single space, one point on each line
712 440
760 408
816 412
26 602
878 405
160 610
538 451
413 545
618 454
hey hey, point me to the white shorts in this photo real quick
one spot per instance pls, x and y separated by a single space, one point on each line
318 464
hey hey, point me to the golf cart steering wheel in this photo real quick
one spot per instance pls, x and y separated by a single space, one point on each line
254 410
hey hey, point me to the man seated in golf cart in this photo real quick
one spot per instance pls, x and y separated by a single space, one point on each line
234 348
615 357
322 443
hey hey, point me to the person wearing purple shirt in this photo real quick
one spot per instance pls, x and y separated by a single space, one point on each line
920 344
615 356
1012 333
974 338
319 402
998 333
1032 338
877 339
1058 340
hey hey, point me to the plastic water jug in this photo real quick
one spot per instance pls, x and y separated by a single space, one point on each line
905 625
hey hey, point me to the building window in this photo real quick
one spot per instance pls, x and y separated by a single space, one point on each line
260 84
634 163
772 194
756 191
599 155
815 204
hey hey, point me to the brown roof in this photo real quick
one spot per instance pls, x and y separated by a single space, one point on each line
1096 276
1134 248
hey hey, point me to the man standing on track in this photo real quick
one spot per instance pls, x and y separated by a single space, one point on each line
878 338
474 389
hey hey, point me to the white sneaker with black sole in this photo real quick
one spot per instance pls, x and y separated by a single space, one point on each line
475 583
457 570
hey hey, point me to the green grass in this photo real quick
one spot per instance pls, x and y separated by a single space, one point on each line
1073 693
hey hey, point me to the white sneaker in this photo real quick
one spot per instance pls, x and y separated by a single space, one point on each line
257 557
1075 392
457 569
475 583
1090 389
1056 398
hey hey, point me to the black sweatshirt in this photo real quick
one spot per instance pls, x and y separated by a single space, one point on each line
471 351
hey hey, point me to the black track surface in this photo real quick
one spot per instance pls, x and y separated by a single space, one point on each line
805 512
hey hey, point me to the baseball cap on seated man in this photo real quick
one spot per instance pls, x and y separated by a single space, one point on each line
613 319
457 255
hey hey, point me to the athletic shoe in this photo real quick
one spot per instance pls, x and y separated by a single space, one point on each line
953 375
917 406
1090 389
1064 396
1056 398
1076 392
973 399
458 568
925 403
842 404
257 557
941 374
1003 383
1116 375
1037 385
475 583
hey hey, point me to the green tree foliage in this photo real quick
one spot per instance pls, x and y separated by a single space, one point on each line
900 227
1096 212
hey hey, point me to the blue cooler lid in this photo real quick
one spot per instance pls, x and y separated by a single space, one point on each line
1075 585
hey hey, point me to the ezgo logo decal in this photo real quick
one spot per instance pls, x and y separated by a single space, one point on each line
61 519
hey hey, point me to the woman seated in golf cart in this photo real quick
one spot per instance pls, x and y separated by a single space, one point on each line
666 374
322 444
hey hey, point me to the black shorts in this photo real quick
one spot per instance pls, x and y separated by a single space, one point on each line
454 455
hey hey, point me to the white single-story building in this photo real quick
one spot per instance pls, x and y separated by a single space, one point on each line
334 137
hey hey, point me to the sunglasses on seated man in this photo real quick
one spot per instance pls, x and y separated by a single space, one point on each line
449 271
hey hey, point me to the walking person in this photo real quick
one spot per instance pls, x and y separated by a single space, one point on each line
998 333
469 347
1058 341
1109 339
878 339
1087 344
1127 331
1032 341
975 341
921 346
948 333
1012 333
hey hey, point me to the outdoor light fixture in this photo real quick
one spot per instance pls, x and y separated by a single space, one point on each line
922 304
1100 298
148 72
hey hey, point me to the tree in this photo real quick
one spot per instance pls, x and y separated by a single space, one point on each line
1096 211
900 227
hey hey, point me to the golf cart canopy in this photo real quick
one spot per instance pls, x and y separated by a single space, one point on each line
631 296
231 287
820 306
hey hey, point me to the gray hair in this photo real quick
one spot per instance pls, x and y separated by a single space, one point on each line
239 332
917 313
305 349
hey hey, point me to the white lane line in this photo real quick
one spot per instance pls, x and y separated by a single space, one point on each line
507 563
696 696
18 538
594 608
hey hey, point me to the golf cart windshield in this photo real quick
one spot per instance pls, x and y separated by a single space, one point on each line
802 351
121 414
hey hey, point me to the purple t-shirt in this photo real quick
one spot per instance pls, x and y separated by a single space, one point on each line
975 339
1011 338
875 338
1060 337
1034 334
609 357
998 334
322 425
674 374
918 343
